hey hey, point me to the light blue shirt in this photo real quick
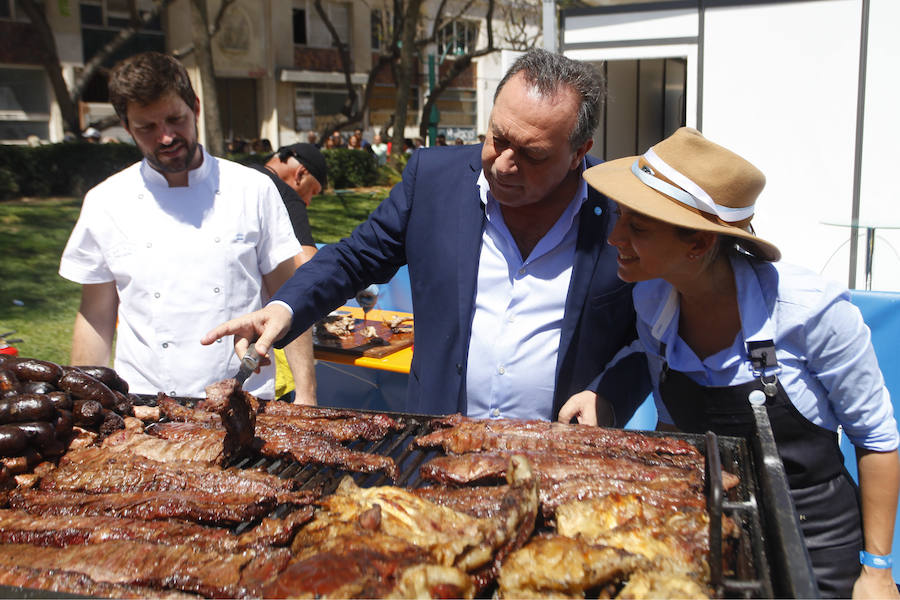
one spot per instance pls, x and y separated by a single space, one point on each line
823 347
519 308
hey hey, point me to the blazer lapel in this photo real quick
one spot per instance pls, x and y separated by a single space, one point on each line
470 225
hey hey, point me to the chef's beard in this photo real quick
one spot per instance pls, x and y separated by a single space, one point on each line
175 165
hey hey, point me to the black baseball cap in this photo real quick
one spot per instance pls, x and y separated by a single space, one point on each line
310 157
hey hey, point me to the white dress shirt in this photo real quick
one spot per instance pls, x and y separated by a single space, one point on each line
519 308
183 259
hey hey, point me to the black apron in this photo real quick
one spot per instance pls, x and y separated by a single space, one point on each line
826 498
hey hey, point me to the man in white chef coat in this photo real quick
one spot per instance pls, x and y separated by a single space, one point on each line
175 244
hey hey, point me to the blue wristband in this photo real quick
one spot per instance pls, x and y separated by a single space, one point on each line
876 561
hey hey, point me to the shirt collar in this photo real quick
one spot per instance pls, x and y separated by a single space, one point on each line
154 178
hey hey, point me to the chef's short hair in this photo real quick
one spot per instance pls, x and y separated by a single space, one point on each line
548 71
145 78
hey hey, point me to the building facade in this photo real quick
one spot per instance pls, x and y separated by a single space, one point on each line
278 73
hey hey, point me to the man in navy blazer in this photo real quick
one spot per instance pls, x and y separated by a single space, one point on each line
496 334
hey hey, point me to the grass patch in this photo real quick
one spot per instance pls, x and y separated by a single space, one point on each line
40 306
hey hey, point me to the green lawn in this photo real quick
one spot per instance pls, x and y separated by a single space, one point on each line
40 305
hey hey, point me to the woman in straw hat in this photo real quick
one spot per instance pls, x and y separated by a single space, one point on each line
721 324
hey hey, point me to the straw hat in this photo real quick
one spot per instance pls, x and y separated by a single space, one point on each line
689 181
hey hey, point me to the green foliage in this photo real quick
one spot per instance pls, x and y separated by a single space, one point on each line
68 169
350 168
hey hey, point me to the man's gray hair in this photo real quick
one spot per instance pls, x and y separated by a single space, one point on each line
548 71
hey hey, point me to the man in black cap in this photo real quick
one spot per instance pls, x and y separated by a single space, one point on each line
299 172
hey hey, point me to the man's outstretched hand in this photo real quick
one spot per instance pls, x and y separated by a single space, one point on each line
266 325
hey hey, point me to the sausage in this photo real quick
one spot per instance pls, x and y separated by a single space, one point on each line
32 369
61 400
107 376
40 434
84 386
112 422
63 423
26 407
12 440
37 387
123 404
8 380
87 413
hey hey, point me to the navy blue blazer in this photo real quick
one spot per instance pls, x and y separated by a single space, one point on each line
433 221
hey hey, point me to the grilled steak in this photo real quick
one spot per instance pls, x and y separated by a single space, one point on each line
213 574
20 527
207 449
67 582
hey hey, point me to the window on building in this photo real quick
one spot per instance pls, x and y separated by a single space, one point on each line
382 104
317 107
645 104
102 20
378 29
24 104
457 108
300 26
12 10
339 13
457 37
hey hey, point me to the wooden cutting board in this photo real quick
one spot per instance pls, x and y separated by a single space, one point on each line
357 345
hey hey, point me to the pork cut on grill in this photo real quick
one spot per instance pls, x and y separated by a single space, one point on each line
552 467
461 434
99 470
21 527
207 450
67 582
181 567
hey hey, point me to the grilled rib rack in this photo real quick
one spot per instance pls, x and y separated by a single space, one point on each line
769 559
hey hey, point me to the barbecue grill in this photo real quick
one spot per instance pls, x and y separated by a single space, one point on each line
769 558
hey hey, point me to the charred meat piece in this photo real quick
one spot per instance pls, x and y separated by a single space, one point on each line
67 582
343 430
551 467
463 434
192 443
237 409
335 326
20 527
225 509
305 448
558 566
483 501
185 568
101 470
323 412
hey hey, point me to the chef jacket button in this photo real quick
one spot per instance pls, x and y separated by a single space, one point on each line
216 290
510 318
495 412
156 295
172 393
149 244
501 370
218 239
165 344
219 341
140 196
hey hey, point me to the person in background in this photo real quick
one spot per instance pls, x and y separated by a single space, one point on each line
458 142
299 172
723 327
363 142
337 139
379 149
173 244
510 272
313 138
329 144
353 143
91 135
417 143
440 140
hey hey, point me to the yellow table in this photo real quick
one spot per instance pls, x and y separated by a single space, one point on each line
398 362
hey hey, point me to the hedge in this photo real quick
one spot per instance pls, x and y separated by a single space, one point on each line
71 169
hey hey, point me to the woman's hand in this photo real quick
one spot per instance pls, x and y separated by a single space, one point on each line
582 406
875 583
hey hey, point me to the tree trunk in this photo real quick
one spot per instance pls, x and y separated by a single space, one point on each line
404 75
200 29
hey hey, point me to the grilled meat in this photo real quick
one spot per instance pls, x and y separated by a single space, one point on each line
305 448
206 449
20 527
675 495
324 412
67 582
100 470
463 434
185 568
652 585
483 501
343 430
237 410
226 509
551 467
558 566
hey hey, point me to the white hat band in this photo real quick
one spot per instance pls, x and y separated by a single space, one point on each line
687 192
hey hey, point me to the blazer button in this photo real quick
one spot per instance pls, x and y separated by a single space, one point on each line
458 369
